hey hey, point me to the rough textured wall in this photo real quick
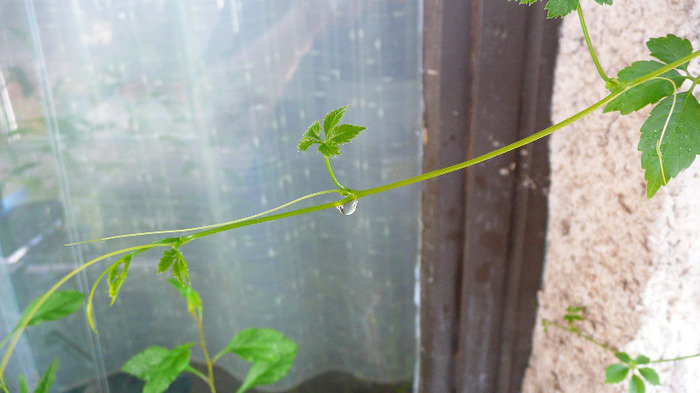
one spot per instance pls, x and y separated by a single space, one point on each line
633 263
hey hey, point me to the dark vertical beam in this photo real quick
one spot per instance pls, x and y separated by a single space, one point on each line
446 81
505 199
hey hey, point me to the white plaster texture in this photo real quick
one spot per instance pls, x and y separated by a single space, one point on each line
633 263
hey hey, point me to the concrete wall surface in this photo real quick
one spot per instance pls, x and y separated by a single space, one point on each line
633 263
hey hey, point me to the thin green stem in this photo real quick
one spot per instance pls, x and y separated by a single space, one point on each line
330 172
589 44
676 359
197 373
576 331
197 315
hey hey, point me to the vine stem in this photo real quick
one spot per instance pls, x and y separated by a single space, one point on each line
197 315
576 331
675 359
330 172
589 44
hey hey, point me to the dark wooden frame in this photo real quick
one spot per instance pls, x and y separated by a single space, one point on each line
487 82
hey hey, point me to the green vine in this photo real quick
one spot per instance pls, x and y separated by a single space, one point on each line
669 143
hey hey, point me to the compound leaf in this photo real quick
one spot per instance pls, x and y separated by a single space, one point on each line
271 353
680 144
335 134
670 48
58 305
48 378
175 259
158 366
650 375
649 92
637 385
615 373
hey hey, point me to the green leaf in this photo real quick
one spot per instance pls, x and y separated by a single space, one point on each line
58 305
344 133
158 366
117 276
311 136
624 358
23 388
194 302
670 48
615 373
333 118
680 144
604 2
637 385
649 92
48 378
271 353
641 359
650 375
329 149
175 259
560 8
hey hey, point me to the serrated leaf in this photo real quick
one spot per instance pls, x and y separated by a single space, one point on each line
624 358
344 133
271 353
193 300
58 305
333 118
637 385
158 366
680 144
560 8
670 48
117 276
180 269
167 260
641 359
615 373
48 378
649 92
311 136
650 375
329 149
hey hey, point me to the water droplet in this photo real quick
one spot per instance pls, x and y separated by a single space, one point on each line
348 208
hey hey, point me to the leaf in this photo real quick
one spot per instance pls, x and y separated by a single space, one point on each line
23 388
311 136
194 302
271 353
650 375
329 149
637 385
344 133
158 366
560 8
48 378
649 92
680 144
604 2
117 276
624 358
175 259
58 305
615 373
641 359
333 118
670 48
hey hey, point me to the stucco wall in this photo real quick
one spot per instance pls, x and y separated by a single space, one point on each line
633 263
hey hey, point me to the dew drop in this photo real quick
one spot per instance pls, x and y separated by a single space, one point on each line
348 208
